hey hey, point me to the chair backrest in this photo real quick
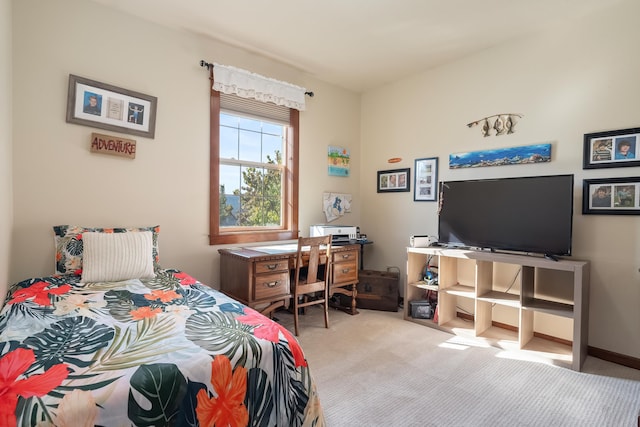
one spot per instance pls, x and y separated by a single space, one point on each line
318 251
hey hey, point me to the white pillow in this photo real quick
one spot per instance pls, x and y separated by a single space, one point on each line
112 257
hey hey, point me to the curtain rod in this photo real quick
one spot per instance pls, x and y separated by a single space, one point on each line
209 65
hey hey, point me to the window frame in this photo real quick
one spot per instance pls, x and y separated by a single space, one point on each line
289 228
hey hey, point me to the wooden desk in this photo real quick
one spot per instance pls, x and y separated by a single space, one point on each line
261 275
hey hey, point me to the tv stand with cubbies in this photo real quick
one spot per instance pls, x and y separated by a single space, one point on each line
479 292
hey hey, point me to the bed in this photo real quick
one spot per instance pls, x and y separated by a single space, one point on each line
161 349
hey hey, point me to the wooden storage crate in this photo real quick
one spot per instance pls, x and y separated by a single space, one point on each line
378 290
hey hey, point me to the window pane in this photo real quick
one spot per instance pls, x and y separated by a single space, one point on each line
273 211
250 147
272 128
252 179
229 120
271 149
260 198
250 124
229 195
229 140
230 178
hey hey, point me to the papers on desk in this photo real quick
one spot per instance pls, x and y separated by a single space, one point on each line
277 249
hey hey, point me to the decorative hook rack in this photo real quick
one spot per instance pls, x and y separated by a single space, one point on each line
503 123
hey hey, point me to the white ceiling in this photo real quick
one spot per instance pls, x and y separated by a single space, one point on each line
358 44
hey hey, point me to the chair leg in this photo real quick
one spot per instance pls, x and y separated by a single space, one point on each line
326 312
326 305
295 313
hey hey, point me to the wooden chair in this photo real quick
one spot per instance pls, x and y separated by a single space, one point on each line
313 262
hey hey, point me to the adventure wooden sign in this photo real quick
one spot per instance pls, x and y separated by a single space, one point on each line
114 145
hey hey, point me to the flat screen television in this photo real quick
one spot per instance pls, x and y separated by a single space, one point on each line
524 214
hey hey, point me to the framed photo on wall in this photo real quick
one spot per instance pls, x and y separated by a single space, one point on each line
611 196
99 105
395 180
425 186
612 149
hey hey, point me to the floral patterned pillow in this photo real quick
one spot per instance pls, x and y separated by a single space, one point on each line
68 241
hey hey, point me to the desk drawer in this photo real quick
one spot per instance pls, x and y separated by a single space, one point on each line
271 285
345 256
272 266
344 272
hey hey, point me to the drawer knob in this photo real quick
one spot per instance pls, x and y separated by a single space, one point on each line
271 284
345 256
272 266
346 270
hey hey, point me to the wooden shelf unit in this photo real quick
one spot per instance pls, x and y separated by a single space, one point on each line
482 294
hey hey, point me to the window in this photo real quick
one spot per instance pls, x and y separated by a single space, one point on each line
254 175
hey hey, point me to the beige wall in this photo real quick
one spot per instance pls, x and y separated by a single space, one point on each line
6 194
573 80
58 181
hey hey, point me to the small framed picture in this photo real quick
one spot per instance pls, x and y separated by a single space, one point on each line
395 180
611 196
425 187
612 149
99 105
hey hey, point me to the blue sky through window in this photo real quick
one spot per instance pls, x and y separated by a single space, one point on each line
246 139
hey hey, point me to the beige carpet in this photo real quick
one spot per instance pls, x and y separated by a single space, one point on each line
375 369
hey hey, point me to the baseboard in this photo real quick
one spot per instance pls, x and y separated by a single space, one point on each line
609 356
465 316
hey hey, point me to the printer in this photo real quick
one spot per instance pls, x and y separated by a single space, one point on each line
339 233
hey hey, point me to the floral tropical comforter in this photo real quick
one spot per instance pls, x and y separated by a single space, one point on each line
168 351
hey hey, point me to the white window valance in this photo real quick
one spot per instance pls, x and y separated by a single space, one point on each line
245 84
